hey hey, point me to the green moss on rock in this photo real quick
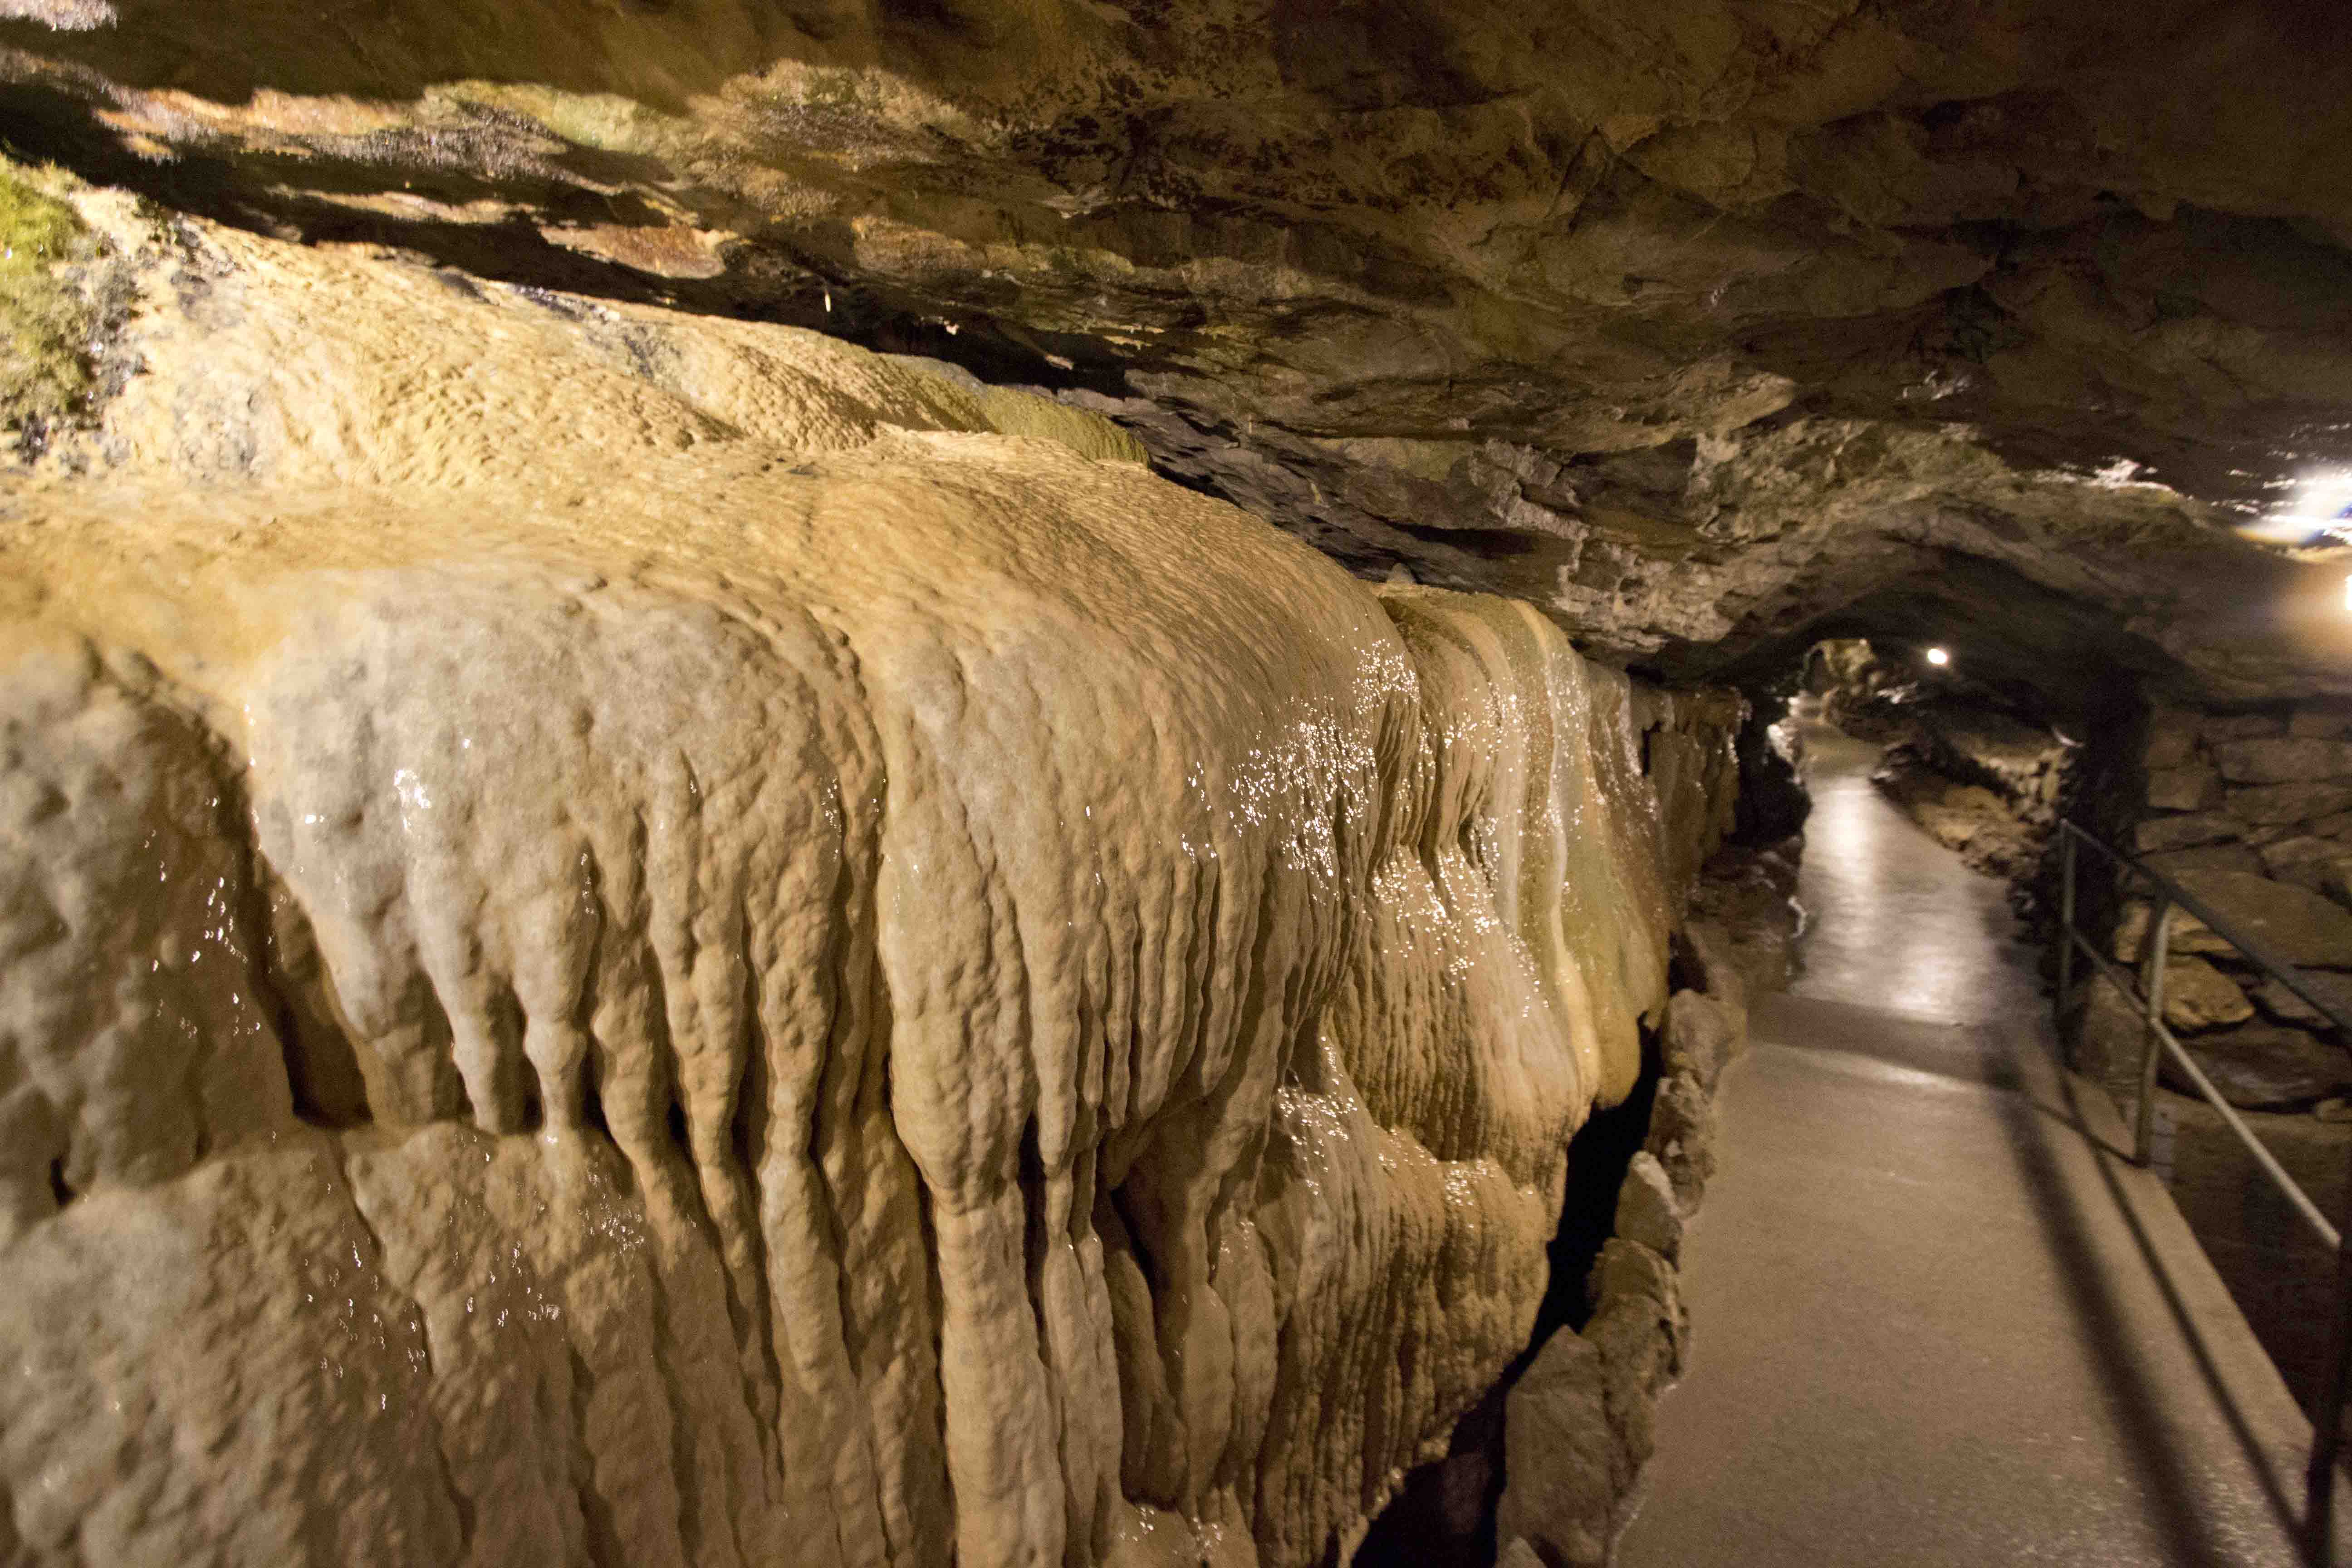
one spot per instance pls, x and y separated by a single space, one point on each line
45 319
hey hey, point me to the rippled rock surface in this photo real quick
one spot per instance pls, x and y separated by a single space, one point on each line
635 939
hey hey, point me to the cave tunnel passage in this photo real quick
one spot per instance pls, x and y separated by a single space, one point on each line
1933 1302
1894 921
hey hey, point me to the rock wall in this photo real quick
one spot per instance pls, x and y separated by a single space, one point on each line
2251 811
643 940
1580 1421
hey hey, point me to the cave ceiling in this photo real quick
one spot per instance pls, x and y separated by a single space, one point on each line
1701 324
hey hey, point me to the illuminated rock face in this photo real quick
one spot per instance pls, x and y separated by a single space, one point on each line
1712 326
650 941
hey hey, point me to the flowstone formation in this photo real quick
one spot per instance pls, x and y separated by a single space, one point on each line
642 939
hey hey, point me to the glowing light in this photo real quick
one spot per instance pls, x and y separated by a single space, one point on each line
1939 658
2321 510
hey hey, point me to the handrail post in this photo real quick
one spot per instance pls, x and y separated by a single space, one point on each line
2065 914
2153 957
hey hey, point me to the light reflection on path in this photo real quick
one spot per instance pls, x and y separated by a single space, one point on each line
1895 920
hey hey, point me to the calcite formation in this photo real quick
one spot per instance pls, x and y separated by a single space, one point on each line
640 939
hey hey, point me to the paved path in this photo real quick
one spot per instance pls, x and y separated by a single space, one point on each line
1936 1319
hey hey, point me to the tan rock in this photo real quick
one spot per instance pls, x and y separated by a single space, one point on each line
2171 740
2192 788
2198 996
2106 1037
2265 1067
2277 1001
1647 1210
2221 728
1701 1036
2285 802
2282 760
2206 857
846 966
2338 826
2298 925
1681 1136
2189 935
2305 861
2161 833
2328 722
1564 1472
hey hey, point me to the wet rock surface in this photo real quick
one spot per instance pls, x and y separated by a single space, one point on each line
571 990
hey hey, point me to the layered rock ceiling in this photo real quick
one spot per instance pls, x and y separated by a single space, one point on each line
1703 325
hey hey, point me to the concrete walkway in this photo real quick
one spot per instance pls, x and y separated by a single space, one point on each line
1936 1317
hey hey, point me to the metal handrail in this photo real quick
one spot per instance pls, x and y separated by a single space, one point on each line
2328 1429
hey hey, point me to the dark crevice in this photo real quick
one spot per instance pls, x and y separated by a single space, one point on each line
1444 1517
592 1102
1137 1233
58 1187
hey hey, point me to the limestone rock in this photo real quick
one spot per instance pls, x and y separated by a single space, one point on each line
2276 1001
1628 1268
2158 834
1701 1036
2283 803
2307 861
629 932
2198 996
1518 1554
1580 1423
1985 826
2171 740
1714 968
1640 1354
2330 723
2238 858
1681 1136
2222 729
1562 1460
1647 1210
2266 1066
2299 925
1671 322
2190 934
2194 787
2282 760
1749 893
